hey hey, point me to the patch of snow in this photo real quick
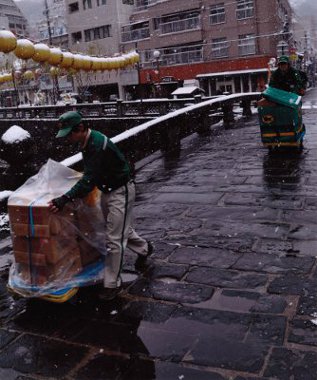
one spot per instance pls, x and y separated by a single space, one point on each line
186 90
4 222
5 194
15 134
314 321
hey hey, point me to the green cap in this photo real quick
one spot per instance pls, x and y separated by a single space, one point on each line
283 59
68 121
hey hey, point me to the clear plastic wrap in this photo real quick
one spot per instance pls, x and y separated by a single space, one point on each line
54 251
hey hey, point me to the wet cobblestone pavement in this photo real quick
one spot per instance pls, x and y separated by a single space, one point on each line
229 293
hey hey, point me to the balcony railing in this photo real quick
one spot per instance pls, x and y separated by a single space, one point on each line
134 35
182 57
180 25
144 4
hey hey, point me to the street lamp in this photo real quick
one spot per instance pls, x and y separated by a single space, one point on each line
156 55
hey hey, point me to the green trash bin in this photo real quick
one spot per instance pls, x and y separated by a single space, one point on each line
280 117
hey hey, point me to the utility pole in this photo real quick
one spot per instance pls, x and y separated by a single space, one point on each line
50 40
138 67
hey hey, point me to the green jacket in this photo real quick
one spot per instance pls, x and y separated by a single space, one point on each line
104 167
291 81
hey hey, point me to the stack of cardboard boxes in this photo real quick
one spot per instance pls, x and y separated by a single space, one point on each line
48 247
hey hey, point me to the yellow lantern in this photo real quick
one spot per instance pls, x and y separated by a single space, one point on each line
78 62
105 64
111 63
56 56
121 62
67 60
8 77
42 53
54 71
96 63
135 57
86 63
24 49
129 58
126 60
8 41
28 74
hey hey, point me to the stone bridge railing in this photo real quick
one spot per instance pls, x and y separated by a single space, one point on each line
137 139
165 132
117 109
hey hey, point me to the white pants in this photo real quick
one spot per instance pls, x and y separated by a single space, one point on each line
117 210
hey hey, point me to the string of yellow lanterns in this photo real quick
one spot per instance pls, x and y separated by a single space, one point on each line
42 53
26 75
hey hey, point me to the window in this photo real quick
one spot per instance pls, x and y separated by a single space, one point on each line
219 47
135 32
180 21
217 14
141 4
76 37
128 2
181 54
156 23
73 7
98 33
245 9
88 35
87 4
246 44
101 2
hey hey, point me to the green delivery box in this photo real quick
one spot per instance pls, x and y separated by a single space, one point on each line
284 98
280 125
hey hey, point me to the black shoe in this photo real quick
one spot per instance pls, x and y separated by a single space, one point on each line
140 263
108 294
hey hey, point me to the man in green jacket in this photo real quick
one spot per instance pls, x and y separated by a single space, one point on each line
287 78
104 167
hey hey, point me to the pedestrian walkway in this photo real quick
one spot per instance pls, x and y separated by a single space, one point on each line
229 293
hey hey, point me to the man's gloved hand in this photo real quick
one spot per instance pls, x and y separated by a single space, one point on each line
57 204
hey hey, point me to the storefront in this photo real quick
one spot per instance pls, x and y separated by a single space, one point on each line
233 81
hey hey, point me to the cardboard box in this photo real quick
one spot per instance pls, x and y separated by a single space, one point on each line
39 221
39 275
21 214
37 259
88 253
53 248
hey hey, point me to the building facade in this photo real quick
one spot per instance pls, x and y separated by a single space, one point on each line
11 18
225 44
54 15
94 28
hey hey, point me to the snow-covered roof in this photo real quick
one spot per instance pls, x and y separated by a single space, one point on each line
186 90
235 72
